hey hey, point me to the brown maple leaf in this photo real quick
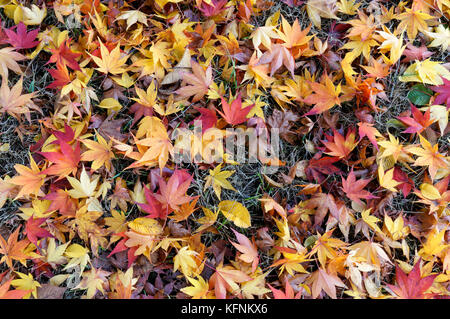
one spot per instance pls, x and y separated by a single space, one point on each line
277 56
199 82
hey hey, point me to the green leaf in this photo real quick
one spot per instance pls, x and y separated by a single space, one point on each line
420 95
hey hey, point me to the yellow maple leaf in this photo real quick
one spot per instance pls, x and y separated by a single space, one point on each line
386 179
427 71
413 21
99 153
236 212
133 16
110 62
218 180
26 282
199 288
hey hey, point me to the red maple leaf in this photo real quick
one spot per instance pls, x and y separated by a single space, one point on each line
208 118
443 93
122 247
64 161
21 39
65 56
406 182
418 123
60 75
413 285
213 9
33 231
173 193
288 294
233 113
339 146
354 189
61 202
153 207
320 166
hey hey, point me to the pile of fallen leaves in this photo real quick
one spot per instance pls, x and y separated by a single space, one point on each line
102 209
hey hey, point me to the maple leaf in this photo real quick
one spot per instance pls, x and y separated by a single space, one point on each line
282 120
64 161
145 102
8 60
292 261
27 283
248 250
54 254
255 287
99 153
199 288
323 203
349 7
110 62
158 144
277 56
21 39
367 129
319 166
13 249
207 118
264 36
428 155
325 246
324 96
13 102
288 294
413 21
386 179
440 38
427 71
295 39
199 82
5 293
29 179
413 53
172 194
93 280
354 189
133 16
371 252
120 195
208 220
318 9
233 113
443 92
236 212
338 145
214 8
153 207
84 187
185 261
406 183
418 123
60 75
322 281
34 231
33 15
413 285
218 180
226 278
64 56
